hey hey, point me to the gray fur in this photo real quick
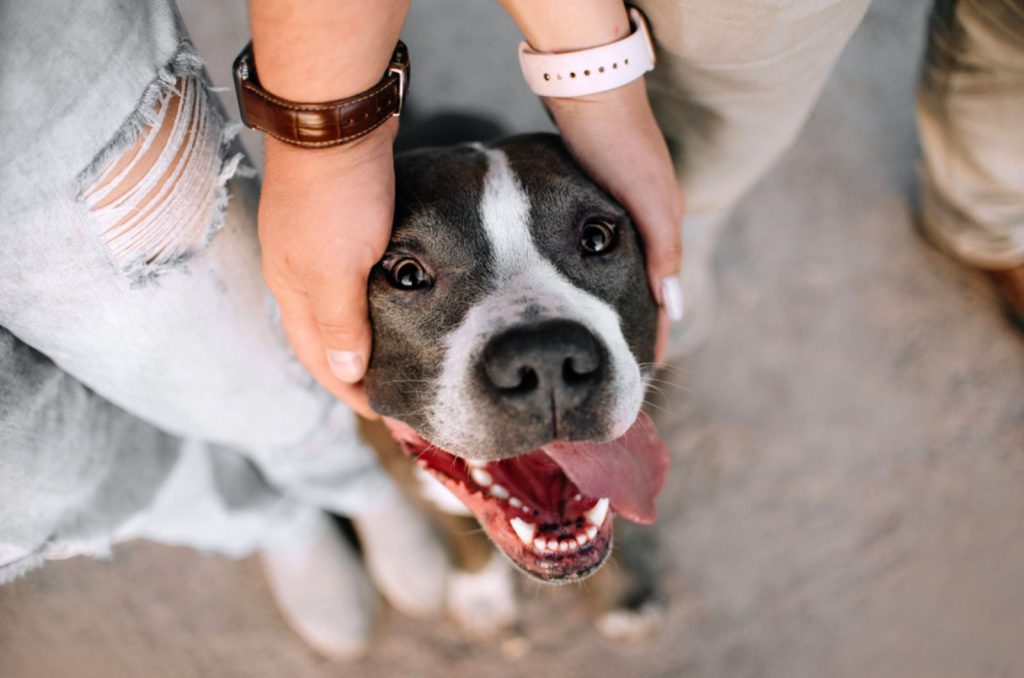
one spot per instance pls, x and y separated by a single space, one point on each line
438 221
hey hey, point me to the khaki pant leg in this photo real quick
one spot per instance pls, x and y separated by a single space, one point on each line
970 111
734 84
737 80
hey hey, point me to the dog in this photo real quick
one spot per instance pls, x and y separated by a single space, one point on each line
513 333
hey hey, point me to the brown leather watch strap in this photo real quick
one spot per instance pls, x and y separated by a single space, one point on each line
315 125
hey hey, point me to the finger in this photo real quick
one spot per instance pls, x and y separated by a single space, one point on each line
355 396
657 217
661 343
339 307
304 335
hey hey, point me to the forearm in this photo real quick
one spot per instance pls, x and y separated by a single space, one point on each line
321 50
569 25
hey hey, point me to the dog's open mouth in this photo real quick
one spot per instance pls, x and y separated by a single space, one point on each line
550 510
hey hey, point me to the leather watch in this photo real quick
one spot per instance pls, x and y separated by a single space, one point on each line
329 123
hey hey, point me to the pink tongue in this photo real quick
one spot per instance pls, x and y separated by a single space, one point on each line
629 470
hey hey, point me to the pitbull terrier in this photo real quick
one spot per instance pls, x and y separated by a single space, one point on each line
513 333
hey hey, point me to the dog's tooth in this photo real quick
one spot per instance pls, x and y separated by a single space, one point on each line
476 463
540 545
524 530
552 545
591 532
480 476
582 538
563 546
598 513
498 491
516 502
578 497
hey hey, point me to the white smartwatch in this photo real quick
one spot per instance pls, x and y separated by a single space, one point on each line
589 71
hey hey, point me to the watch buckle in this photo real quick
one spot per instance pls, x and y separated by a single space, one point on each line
401 69
241 71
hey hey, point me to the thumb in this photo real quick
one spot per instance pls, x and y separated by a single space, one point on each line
339 308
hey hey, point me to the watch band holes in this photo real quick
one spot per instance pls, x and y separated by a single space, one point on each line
547 76
572 75
586 72
615 65
601 69
626 62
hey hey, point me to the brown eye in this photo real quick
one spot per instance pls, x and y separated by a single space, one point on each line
597 237
407 274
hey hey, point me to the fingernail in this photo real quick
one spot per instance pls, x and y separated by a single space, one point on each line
346 365
672 298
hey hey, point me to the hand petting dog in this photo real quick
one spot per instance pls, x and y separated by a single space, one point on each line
325 214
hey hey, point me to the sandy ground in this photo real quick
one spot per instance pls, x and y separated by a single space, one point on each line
847 497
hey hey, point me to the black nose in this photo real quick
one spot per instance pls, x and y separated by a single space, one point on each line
555 363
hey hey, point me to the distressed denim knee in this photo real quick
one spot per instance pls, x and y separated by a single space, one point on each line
130 254
163 197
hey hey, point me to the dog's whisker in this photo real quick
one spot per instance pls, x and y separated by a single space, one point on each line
670 370
657 407
663 382
657 391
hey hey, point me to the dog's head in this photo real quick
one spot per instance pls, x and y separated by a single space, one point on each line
513 331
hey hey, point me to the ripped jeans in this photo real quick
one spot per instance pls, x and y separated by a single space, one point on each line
146 387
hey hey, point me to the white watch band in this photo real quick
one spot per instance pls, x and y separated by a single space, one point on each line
588 71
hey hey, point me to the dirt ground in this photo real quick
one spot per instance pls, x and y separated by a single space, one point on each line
847 497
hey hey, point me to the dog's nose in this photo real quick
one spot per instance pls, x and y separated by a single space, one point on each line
553 363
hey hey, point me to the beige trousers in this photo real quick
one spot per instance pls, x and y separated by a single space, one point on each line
736 81
971 120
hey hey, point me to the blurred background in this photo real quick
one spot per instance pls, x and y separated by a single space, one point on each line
847 496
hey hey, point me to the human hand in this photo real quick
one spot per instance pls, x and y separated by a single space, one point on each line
616 140
324 221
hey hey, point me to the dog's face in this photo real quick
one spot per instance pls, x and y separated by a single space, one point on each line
513 328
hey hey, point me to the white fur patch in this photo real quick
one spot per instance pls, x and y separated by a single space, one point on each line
484 602
526 281
505 212
631 626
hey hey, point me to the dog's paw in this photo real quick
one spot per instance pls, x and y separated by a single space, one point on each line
483 603
404 558
626 625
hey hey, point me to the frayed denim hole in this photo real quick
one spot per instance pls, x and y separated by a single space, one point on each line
161 200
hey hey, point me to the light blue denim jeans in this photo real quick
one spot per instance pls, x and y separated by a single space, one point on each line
147 388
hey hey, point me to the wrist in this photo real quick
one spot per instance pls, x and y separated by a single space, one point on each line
569 25
622 101
308 50
335 159
324 124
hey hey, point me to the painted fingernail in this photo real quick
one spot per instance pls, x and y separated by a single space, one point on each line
346 365
672 298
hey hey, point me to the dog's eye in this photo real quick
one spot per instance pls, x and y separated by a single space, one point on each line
597 237
407 274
